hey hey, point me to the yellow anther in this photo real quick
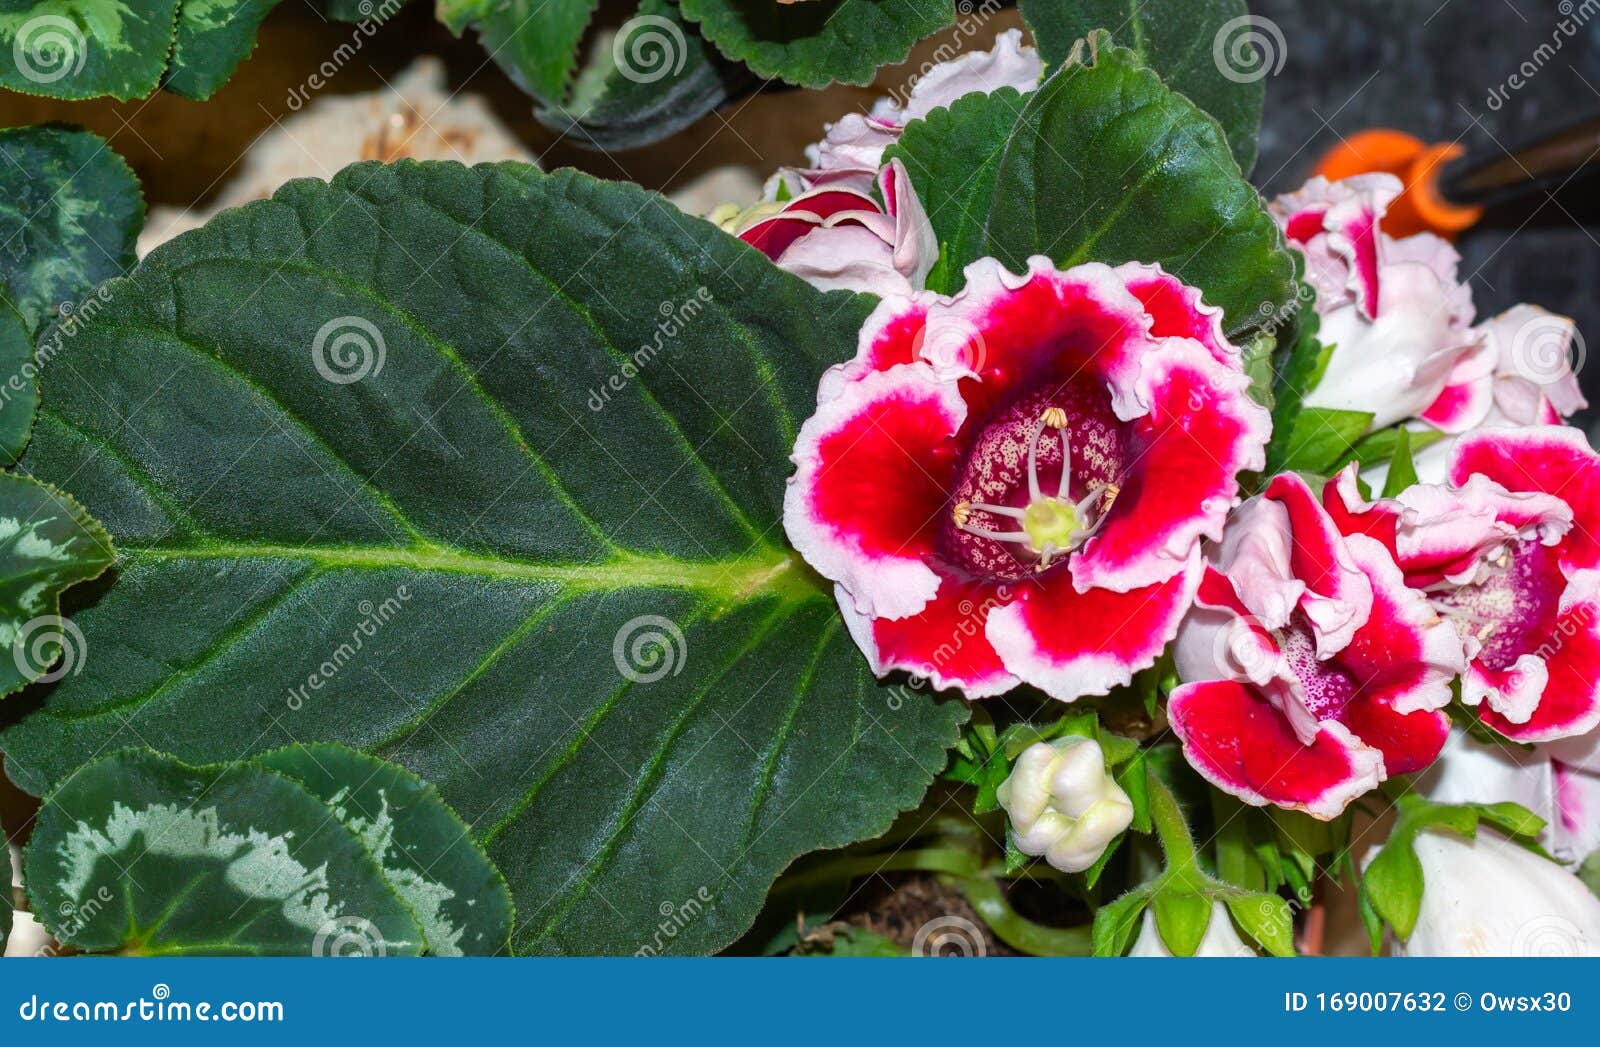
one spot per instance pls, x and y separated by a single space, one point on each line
1055 418
962 513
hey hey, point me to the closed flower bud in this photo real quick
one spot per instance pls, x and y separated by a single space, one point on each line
1063 805
1220 937
1489 897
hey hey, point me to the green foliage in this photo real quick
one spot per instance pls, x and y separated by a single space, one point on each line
47 543
653 78
19 386
1391 885
1317 440
534 41
140 854
6 907
525 542
90 48
1186 41
70 215
816 44
426 852
1149 179
953 157
1182 897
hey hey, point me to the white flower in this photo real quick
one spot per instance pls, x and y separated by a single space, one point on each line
1490 897
1220 938
1565 796
1062 803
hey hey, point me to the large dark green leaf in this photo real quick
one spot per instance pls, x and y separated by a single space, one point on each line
139 853
1108 164
519 531
1194 45
816 43
47 543
426 852
953 157
70 214
655 77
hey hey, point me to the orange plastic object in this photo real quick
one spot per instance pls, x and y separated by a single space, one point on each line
1420 207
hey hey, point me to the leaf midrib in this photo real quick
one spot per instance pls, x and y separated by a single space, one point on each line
736 579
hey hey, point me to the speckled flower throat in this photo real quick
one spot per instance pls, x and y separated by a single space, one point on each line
1038 481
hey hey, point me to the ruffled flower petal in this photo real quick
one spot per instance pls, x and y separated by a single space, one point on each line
946 642
1069 643
1245 746
1554 460
1199 429
873 467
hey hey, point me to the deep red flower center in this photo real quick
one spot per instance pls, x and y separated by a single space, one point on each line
1037 480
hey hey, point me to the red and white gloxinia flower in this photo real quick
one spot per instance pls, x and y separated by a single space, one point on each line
836 237
1396 316
1313 672
1011 485
1510 553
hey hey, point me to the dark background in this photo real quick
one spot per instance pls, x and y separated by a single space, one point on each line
1427 67
1422 66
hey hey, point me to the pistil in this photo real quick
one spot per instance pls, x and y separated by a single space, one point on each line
1051 524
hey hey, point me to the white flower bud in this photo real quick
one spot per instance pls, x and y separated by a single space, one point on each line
1062 803
1490 897
1220 938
